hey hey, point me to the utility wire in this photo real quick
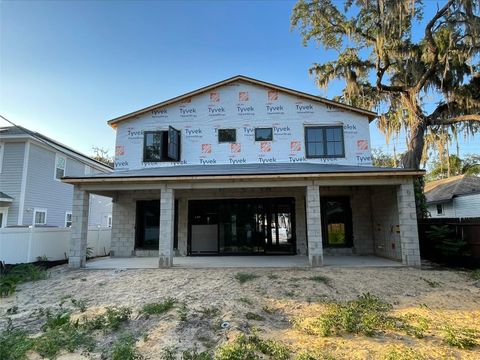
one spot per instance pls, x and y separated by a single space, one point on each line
50 143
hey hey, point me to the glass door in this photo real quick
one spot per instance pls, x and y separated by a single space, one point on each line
336 221
147 224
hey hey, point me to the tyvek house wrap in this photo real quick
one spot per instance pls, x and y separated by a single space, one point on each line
243 107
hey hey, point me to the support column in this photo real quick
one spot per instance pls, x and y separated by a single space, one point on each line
314 226
165 243
407 220
79 231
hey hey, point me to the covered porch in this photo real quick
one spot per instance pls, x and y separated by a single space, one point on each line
321 216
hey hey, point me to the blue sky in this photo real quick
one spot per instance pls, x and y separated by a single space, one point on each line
67 67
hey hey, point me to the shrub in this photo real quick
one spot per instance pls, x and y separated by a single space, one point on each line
247 348
459 337
475 274
244 277
124 348
158 308
112 319
193 354
19 274
446 242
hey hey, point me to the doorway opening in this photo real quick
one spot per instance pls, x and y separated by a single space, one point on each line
336 221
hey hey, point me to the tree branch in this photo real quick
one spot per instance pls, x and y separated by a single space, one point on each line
455 119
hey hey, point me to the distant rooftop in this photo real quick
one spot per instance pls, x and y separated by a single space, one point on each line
446 189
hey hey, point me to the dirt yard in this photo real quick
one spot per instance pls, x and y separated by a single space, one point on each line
212 307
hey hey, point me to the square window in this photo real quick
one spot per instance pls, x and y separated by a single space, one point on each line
263 134
40 217
161 145
227 135
324 141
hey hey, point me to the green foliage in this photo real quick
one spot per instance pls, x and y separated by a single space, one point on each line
56 320
159 307
452 165
80 304
14 344
364 316
253 316
462 338
314 356
320 279
382 159
193 354
246 301
182 312
112 319
19 274
445 241
252 348
209 312
403 354
124 348
475 274
431 283
243 277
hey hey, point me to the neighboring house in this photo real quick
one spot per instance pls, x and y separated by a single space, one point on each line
454 197
31 191
250 168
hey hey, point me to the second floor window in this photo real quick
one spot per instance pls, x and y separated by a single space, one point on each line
227 135
60 163
263 134
161 145
324 142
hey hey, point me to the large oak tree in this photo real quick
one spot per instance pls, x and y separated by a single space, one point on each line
394 62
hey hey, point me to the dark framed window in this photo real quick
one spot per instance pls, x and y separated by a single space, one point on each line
439 209
263 134
161 145
227 135
324 141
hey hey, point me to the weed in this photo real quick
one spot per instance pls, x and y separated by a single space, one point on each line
247 348
210 312
273 276
14 344
80 304
475 274
193 354
362 316
431 283
460 337
320 279
55 320
68 336
314 356
110 320
168 353
253 316
269 310
19 274
243 277
124 348
246 301
12 310
414 325
158 308
182 312
403 353
289 293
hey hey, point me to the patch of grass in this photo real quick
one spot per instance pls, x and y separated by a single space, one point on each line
246 301
193 354
320 279
253 316
210 312
269 310
68 336
55 320
182 312
19 274
462 338
169 353
80 304
431 283
14 344
364 316
124 348
112 319
252 348
159 307
314 356
414 325
403 353
243 277
272 276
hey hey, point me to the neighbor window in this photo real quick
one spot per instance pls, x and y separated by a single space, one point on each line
68 219
324 141
263 134
40 217
161 145
227 135
439 209
60 162
109 220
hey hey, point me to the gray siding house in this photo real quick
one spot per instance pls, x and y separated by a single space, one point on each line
31 190
245 167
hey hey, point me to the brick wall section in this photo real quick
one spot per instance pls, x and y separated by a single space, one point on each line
167 208
314 226
407 217
78 240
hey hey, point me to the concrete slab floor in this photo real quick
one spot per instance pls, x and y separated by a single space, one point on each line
240 262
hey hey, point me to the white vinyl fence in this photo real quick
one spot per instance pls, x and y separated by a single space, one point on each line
23 245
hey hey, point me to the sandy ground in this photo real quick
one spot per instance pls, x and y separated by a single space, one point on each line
213 296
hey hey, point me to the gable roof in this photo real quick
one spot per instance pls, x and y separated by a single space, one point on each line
19 132
446 189
371 115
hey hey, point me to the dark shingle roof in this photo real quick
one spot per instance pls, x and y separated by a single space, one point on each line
246 169
446 189
4 196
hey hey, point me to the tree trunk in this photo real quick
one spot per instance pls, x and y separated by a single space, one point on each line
416 142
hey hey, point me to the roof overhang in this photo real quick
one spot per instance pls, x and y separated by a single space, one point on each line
369 114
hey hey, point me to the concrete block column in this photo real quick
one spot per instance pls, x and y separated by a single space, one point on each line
314 226
165 243
79 231
407 220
